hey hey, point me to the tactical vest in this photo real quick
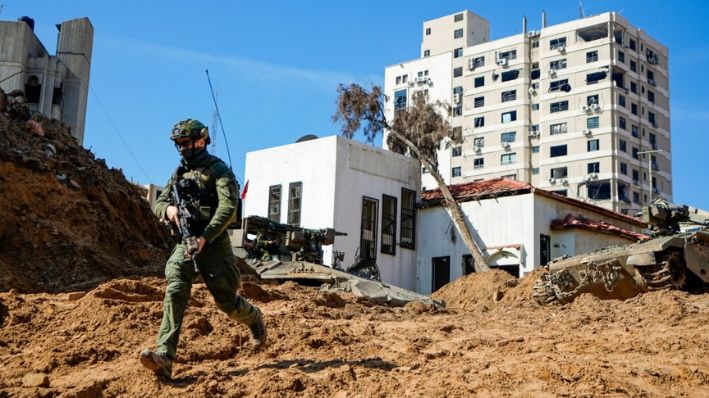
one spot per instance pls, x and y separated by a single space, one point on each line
205 191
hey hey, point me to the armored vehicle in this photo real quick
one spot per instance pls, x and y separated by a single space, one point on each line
677 256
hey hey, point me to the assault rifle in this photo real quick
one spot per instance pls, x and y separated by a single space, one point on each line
182 195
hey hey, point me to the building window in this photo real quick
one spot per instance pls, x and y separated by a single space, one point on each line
535 43
33 90
455 172
636 197
509 95
559 172
562 85
478 163
509 75
274 203
621 56
635 153
623 168
594 167
593 122
388 224
458 110
368 230
428 31
535 107
559 106
631 44
458 33
508 137
636 177
535 149
591 56
426 53
595 77
592 145
622 145
559 42
508 158
634 131
651 119
479 121
508 117
558 150
652 138
558 64
295 194
479 142
478 62
458 52
535 171
592 100
440 272
508 55
634 108
479 102
456 151
621 123
479 81
468 264
633 66
458 72
558 128
458 17
408 219
621 100
650 96
599 190
633 87
399 100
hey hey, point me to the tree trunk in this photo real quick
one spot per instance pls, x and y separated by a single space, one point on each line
450 204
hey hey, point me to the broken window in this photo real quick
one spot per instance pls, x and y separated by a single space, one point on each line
479 81
558 150
468 264
592 145
558 43
508 158
295 190
599 190
592 100
509 95
558 128
399 100
559 106
508 117
478 163
560 85
408 219
619 81
592 33
508 137
591 56
536 72
388 224
274 203
368 230
618 36
558 64
559 172
510 75
479 102
33 90
595 77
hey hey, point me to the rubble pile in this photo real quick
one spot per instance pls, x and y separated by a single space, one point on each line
68 221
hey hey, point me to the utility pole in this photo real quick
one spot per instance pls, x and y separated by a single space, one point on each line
649 167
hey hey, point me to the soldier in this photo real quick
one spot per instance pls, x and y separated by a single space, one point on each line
218 192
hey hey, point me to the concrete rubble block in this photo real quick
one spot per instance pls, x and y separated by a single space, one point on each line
35 380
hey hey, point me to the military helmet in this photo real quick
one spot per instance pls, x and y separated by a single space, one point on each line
190 128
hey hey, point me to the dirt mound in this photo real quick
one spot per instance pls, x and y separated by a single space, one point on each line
68 221
477 290
87 344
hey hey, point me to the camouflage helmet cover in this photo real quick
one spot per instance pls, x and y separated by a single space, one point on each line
190 128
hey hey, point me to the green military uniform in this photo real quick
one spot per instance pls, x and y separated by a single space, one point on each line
216 260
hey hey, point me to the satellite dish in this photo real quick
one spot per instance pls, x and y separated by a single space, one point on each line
307 137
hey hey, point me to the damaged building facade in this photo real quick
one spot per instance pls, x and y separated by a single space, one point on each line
334 182
516 226
54 85
580 108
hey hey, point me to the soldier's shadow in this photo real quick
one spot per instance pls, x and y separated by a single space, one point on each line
311 366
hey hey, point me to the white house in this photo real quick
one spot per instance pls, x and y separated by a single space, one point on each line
518 226
334 182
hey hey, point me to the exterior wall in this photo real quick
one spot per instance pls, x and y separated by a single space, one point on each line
441 38
574 241
64 78
622 51
336 174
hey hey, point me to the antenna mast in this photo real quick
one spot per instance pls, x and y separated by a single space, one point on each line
581 13
219 116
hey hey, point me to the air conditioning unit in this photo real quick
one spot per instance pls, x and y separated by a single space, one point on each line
594 107
471 63
563 181
456 98
552 72
478 149
561 49
502 61
506 145
587 131
532 91
534 133
592 176
652 82
585 108
552 180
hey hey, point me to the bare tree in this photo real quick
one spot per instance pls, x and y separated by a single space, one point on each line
418 130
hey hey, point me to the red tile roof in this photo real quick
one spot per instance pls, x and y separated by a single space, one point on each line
572 221
471 190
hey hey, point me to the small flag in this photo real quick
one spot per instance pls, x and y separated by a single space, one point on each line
246 189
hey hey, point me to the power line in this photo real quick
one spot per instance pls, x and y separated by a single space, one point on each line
219 116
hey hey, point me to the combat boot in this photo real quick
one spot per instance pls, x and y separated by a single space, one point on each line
258 332
159 362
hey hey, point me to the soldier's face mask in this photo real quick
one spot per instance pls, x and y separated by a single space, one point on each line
189 149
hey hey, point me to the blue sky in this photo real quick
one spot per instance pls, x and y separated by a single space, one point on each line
275 66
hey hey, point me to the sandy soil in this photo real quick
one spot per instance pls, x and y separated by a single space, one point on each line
322 344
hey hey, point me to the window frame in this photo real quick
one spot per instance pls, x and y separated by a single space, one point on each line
276 217
389 224
372 253
407 214
291 205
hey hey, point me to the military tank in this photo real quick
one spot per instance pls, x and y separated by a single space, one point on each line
676 257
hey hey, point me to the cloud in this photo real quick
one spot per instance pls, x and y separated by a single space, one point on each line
245 66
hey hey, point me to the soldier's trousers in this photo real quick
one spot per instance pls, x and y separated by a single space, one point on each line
215 263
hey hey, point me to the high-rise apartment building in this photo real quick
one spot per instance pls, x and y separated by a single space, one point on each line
580 108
